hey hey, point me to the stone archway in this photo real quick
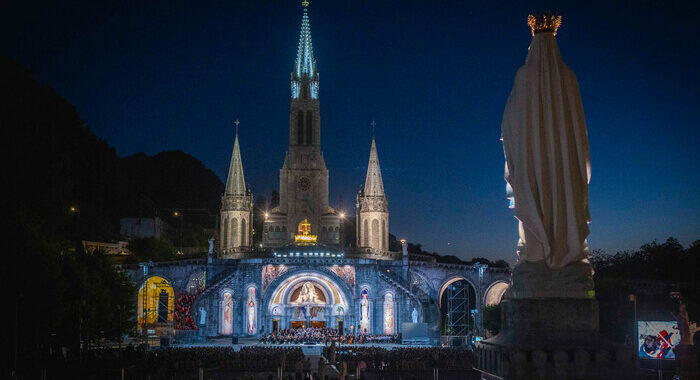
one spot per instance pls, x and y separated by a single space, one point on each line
155 303
494 293
307 298
458 299
450 281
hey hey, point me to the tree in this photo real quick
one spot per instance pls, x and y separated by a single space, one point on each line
665 266
492 318
155 249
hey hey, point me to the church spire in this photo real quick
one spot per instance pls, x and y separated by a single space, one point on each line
305 63
305 74
235 184
374 187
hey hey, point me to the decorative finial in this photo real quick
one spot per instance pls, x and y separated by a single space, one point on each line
305 3
544 22
236 122
372 124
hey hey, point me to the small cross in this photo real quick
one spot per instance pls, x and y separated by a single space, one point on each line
236 122
372 124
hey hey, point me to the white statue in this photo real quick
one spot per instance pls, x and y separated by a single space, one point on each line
308 294
202 316
414 315
548 167
211 246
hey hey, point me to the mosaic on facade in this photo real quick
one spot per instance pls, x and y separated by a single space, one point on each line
227 314
270 273
345 272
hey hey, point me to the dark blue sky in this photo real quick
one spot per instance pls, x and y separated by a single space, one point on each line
435 75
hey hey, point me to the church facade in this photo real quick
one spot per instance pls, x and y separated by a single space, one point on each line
304 274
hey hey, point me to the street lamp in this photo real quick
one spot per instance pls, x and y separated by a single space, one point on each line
341 234
182 220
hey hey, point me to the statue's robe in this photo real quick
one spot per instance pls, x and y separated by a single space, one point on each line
547 158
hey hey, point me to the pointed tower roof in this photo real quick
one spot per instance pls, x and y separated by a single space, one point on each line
374 186
305 63
235 184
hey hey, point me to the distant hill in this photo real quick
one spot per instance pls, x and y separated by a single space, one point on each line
172 180
73 184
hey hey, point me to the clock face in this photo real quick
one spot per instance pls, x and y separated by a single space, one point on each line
304 183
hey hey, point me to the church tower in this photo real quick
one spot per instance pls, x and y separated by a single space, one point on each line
372 208
236 206
304 176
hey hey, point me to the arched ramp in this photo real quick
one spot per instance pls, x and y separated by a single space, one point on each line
494 293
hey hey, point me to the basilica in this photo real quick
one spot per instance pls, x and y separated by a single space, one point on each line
305 274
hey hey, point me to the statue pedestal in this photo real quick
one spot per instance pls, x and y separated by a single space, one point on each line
687 361
552 338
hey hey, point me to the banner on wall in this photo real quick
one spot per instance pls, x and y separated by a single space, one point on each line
657 339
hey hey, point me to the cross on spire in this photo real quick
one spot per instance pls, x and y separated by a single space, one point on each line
372 124
236 122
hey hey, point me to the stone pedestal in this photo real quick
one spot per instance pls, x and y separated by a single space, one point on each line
552 338
687 361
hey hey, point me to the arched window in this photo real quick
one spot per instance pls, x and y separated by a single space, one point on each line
383 244
277 229
365 234
233 237
388 319
309 127
224 235
251 312
244 233
284 228
375 234
227 314
323 229
300 127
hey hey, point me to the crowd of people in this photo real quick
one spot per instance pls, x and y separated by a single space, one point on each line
261 362
176 363
326 336
374 358
183 312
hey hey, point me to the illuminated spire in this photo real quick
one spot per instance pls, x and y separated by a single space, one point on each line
305 63
235 184
374 186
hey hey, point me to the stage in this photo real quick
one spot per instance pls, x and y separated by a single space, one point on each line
253 341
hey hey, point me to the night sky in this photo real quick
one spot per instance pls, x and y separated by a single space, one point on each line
149 76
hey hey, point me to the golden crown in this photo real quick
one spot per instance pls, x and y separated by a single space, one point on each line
544 22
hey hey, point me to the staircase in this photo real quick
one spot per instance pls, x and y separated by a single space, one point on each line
431 311
219 279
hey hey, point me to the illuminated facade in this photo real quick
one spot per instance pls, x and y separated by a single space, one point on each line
304 176
304 275
372 208
236 207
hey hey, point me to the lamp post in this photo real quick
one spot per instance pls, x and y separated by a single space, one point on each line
341 233
182 219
